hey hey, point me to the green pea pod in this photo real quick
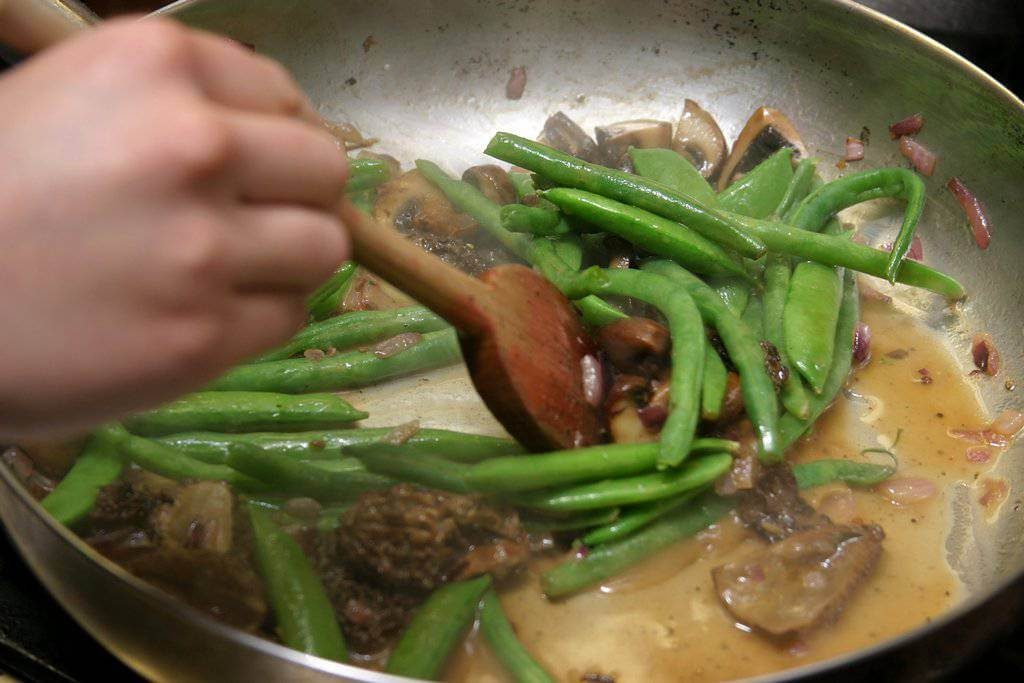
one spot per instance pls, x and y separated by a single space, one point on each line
533 220
674 171
753 316
99 464
501 638
305 618
759 192
735 293
364 174
348 370
776 287
327 300
426 470
712 392
821 472
799 187
809 321
436 629
637 517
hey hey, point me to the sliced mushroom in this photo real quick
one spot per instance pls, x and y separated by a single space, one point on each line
411 203
348 136
201 516
614 140
634 345
625 424
700 139
767 131
563 134
493 181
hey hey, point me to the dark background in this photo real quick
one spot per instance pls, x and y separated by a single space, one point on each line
39 642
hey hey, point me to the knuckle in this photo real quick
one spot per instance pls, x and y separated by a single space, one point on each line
290 97
196 144
154 46
198 251
324 247
195 341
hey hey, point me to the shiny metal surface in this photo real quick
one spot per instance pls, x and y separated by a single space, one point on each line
431 83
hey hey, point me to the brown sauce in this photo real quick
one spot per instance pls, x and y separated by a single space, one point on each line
662 621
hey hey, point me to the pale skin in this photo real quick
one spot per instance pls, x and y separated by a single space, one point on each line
167 202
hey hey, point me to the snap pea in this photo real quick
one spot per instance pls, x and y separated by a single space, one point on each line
834 250
712 391
776 287
365 200
344 371
245 411
436 628
690 475
569 171
99 464
674 171
163 460
687 351
538 252
637 517
364 174
647 230
744 351
607 461
733 292
214 448
533 220
305 618
611 558
809 320
579 520
297 478
753 316
327 299
827 200
424 470
790 427
357 327
821 472
759 192
501 638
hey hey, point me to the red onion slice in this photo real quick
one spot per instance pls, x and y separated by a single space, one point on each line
399 434
908 490
920 156
974 210
854 149
985 354
516 83
593 379
653 416
397 344
861 344
1008 423
908 126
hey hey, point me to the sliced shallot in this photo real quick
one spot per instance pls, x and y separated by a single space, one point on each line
397 344
593 379
975 211
985 354
908 126
908 490
516 83
1008 423
399 434
920 156
862 344
854 149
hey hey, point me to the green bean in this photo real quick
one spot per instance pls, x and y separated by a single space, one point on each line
558 468
163 460
580 520
424 470
501 638
833 250
791 428
809 320
364 174
538 252
365 200
357 327
244 411
295 478
637 518
776 287
687 352
523 184
98 465
611 558
563 169
626 491
533 220
759 192
436 628
753 316
735 293
712 391
348 370
799 187
305 618
839 194
674 171
647 230
331 445
821 472
327 299
744 351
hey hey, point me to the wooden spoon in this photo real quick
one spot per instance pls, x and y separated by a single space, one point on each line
521 339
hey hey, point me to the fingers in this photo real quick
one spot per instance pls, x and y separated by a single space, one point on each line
259 321
281 160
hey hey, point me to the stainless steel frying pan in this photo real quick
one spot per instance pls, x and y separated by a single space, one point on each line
432 85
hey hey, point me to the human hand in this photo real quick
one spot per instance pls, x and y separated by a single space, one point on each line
167 202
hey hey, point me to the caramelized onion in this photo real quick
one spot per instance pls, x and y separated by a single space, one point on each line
920 156
908 126
974 210
985 354
399 434
1008 423
593 379
908 490
397 344
516 83
862 344
854 149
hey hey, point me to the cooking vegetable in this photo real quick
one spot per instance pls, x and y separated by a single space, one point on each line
712 391
673 170
637 517
533 220
776 289
539 522
296 478
700 140
765 132
332 445
975 211
615 140
357 327
809 320
364 173
99 464
305 618
436 628
821 472
343 371
922 158
327 299
643 194
245 411
431 471
908 126
501 638
492 181
758 193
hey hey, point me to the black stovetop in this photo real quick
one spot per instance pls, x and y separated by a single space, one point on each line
39 642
